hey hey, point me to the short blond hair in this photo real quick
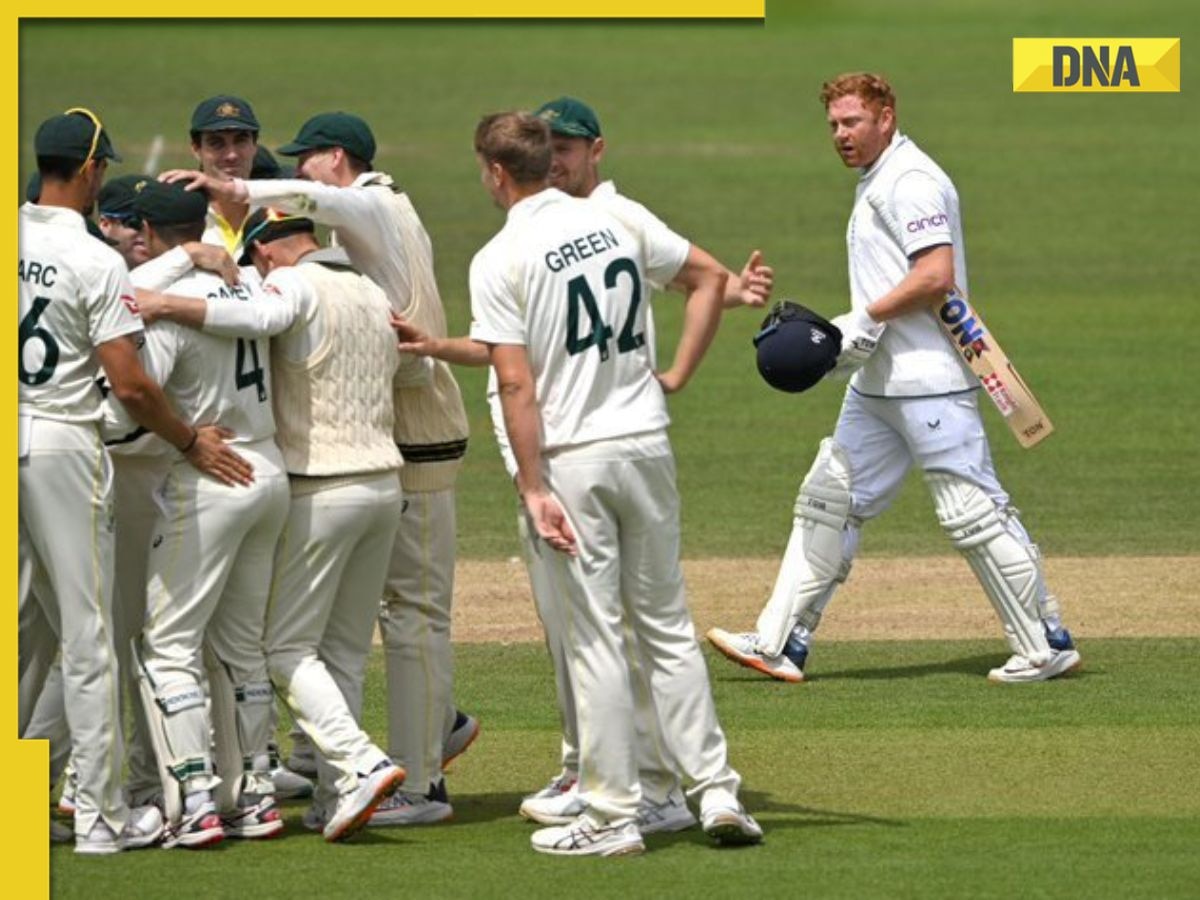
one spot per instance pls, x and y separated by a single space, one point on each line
872 89
519 142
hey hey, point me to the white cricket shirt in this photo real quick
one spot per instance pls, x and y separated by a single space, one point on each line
212 379
73 294
570 282
905 203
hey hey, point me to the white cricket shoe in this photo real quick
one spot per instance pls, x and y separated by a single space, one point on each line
725 820
254 821
585 837
462 735
410 809
143 828
355 807
1019 670
743 648
289 785
557 803
663 818
202 828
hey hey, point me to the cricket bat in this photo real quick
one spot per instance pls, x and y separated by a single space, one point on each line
974 342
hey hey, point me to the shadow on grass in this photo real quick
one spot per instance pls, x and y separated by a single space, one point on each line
979 664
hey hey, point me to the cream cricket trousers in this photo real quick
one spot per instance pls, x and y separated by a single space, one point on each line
135 481
414 622
656 773
621 499
65 541
209 577
329 572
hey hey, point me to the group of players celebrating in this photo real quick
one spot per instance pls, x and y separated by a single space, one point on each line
238 451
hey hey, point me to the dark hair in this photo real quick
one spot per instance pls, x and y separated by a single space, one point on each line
519 142
358 165
58 168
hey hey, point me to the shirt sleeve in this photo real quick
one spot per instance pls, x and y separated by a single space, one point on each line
283 302
157 356
495 310
112 305
920 212
664 251
341 207
161 272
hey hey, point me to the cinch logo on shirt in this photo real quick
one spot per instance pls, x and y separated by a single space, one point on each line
1093 65
926 222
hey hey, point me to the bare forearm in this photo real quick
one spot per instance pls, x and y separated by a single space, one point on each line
701 318
521 422
147 404
927 281
460 351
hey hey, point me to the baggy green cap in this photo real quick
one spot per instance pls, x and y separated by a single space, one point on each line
76 134
570 117
169 204
224 112
334 129
117 196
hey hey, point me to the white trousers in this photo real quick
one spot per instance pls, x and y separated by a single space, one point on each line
657 773
414 622
65 541
622 604
882 439
330 567
209 577
135 481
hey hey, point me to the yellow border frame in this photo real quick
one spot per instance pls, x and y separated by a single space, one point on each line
25 763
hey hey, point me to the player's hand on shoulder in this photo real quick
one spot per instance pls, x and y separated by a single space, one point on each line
550 521
756 281
211 258
210 454
860 337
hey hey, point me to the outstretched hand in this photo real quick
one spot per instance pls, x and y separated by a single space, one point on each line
756 281
210 454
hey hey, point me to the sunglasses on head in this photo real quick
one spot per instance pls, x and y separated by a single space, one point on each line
98 129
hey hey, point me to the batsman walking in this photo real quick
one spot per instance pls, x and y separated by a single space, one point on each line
911 401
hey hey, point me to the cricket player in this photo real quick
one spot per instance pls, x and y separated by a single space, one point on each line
224 135
77 313
578 148
910 401
559 296
209 566
333 364
375 222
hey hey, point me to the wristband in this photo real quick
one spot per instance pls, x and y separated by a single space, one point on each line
192 443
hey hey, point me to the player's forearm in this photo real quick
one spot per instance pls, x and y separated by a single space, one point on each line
248 319
324 203
927 281
701 318
147 405
162 271
522 425
187 311
461 351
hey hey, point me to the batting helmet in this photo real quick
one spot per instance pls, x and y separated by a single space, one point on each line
796 347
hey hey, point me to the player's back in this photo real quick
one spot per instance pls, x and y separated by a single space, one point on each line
581 282
72 295
213 379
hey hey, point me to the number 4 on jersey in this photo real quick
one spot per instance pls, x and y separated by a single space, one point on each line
580 292
244 377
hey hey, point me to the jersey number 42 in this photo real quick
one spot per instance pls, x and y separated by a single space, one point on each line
599 332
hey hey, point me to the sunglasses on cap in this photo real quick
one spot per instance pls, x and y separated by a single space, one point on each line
97 130
129 220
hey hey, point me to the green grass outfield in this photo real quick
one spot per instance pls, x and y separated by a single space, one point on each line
1080 216
899 771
